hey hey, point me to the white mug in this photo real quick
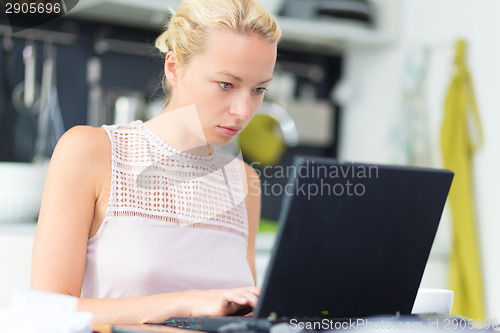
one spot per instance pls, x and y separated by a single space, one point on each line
433 301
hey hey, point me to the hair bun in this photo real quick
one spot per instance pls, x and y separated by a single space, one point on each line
161 42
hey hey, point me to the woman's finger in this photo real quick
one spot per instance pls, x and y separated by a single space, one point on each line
242 296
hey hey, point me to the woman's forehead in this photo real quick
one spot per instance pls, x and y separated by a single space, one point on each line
238 55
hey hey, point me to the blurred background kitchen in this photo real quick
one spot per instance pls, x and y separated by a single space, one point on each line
359 80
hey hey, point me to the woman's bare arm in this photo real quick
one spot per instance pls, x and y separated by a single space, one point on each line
253 203
157 308
67 211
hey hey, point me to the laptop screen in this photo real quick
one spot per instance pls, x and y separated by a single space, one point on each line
353 239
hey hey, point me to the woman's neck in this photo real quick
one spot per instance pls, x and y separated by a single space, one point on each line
181 128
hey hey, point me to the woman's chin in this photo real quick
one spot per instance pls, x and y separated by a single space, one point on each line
222 143
220 140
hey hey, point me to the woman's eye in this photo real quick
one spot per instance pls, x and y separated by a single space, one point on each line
225 85
260 90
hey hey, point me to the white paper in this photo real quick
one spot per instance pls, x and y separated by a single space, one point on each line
42 312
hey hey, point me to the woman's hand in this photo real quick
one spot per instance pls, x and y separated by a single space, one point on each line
215 302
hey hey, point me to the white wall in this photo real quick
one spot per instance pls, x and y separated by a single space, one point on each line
15 262
374 78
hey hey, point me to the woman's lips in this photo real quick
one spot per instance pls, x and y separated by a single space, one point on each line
230 130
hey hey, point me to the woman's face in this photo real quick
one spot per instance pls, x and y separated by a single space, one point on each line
226 83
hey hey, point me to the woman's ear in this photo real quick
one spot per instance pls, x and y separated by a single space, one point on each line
171 68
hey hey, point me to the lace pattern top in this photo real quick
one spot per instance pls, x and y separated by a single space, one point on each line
175 220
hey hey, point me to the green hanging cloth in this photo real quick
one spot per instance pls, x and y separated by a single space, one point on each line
461 136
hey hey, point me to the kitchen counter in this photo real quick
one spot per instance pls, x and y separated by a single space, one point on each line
102 328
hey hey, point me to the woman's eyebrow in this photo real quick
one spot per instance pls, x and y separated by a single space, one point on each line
239 79
265 81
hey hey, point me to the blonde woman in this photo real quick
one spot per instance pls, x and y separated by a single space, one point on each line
145 221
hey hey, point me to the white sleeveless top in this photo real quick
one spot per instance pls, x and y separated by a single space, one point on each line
175 221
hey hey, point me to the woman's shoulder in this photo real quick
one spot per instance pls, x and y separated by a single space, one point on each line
90 133
253 180
86 141
84 147
250 171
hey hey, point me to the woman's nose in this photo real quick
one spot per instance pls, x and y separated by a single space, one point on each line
241 106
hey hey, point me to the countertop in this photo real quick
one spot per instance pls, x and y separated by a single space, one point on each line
102 328
18 228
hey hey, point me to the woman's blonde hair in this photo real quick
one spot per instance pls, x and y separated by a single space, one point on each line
188 27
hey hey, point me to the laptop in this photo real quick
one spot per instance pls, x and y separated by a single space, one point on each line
353 241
